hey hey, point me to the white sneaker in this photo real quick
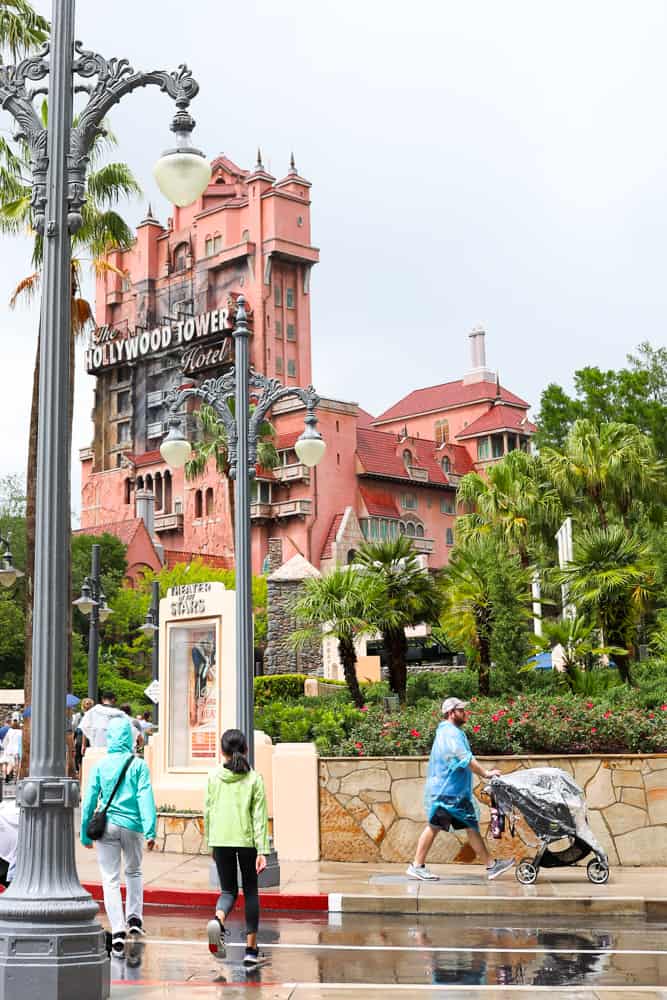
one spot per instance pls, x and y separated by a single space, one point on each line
421 872
498 867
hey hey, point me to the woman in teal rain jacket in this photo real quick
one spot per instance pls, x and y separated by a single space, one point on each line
131 818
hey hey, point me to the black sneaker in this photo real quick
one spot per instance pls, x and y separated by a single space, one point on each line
251 958
216 938
135 926
118 945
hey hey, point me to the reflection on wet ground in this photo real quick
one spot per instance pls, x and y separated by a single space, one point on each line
417 952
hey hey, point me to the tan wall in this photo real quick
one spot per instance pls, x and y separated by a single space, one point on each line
371 809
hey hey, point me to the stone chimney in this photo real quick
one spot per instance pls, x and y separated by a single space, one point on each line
478 371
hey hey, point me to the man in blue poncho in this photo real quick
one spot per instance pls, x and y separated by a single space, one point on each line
448 794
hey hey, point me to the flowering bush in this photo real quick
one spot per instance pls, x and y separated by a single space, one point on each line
521 725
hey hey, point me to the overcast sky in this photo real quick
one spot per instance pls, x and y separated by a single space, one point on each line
478 162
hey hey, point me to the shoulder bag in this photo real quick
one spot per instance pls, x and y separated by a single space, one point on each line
97 823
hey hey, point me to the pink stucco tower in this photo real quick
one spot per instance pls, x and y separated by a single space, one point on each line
168 308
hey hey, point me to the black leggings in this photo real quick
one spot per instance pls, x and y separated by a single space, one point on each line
225 861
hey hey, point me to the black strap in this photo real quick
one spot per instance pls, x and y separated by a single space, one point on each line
118 782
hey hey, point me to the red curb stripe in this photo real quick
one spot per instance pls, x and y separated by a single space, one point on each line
206 899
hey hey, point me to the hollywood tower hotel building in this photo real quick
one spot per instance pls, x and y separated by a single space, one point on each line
165 318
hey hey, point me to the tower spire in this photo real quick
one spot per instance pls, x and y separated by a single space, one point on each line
259 165
292 165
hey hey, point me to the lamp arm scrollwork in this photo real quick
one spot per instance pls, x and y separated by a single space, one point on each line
115 79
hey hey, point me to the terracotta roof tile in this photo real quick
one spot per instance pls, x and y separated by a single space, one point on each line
378 503
172 557
448 394
380 454
123 530
499 418
331 536
146 458
364 418
285 442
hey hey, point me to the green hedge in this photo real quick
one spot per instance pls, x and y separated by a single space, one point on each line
278 687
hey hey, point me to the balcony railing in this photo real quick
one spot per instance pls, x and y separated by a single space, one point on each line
292 473
260 511
292 508
168 522
416 472
423 545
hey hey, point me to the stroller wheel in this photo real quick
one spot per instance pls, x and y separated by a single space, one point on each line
526 871
597 872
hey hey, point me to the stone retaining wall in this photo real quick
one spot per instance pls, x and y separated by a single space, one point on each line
371 808
180 833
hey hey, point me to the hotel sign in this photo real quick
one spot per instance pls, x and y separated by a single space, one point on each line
111 347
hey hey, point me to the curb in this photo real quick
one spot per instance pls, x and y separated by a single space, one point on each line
206 899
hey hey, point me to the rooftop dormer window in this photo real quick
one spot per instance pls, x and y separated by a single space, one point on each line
407 458
446 465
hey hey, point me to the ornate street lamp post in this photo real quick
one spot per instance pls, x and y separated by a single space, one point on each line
93 604
151 628
51 945
242 435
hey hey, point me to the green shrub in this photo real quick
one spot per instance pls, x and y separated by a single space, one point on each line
278 687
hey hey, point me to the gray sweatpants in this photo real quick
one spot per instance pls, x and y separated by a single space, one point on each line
117 839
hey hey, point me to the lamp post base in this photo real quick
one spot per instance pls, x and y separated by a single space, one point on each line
50 962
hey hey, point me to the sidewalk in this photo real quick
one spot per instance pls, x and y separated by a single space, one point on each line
183 880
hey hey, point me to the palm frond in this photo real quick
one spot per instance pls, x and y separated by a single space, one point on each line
21 27
26 289
110 183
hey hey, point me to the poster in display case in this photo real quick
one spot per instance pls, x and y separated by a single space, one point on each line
194 692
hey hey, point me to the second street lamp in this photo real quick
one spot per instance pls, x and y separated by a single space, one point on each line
151 628
93 604
243 430
9 574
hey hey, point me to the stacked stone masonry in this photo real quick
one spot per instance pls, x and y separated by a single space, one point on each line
371 809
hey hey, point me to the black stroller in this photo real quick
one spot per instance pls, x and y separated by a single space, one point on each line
554 807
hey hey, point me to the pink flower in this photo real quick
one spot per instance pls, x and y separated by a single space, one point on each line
359 746
608 714
415 733
663 708
494 718
476 729
510 721
364 708
651 715
594 730
589 704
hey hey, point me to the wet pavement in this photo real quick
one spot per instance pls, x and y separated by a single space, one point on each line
345 955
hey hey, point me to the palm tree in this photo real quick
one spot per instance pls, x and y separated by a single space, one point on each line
21 28
342 605
610 468
103 228
214 445
611 579
481 579
410 596
514 501
575 636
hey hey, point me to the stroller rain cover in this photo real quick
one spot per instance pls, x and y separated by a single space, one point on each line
551 802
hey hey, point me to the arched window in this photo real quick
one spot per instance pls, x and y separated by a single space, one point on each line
441 430
410 529
198 503
407 457
209 502
167 493
446 465
127 490
401 527
149 483
420 531
139 483
180 257
158 491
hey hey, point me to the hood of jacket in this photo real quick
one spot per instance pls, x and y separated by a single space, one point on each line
119 736
226 775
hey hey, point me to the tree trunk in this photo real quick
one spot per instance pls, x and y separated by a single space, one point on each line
30 487
396 647
484 681
348 658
